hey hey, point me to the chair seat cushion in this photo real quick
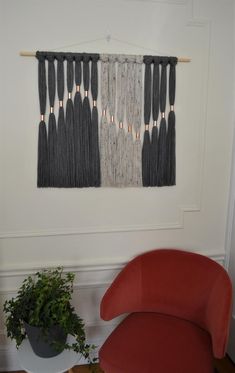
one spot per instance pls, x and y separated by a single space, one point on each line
148 342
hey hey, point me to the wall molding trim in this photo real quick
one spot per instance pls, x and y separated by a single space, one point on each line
95 264
182 209
104 229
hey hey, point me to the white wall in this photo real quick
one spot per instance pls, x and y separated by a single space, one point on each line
95 231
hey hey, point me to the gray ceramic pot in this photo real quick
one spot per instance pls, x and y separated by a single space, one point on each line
41 345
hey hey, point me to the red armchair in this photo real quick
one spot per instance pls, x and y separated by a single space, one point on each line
179 306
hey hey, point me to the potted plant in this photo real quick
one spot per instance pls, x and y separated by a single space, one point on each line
42 311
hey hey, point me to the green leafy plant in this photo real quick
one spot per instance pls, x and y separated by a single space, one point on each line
43 301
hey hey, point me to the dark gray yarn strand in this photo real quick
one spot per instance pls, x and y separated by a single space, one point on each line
94 136
52 130
161 174
170 140
78 124
147 113
60 77
42 85
69 120
155 113
42 166
62 180
86 123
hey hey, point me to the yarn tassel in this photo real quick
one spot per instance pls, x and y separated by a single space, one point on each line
62 179
154 156
161 172
146 158
52 130
86 123
62 151
42 166
129 159
130 118
162 132
112 135
69 119
120 157
137 170
155 112
170 140
103 139
147 112
111 153
121 100
78 124
52 150
42 181
137 148
104 149
94 135
171 158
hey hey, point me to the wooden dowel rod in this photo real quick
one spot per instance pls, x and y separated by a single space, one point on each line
33 54
184 59
27 54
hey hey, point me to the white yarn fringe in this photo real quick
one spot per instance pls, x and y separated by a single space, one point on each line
104 150
120 158
137 164
111 154
128 166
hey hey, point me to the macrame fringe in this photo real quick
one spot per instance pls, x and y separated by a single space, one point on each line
171 157
78 139
146 149
42 181
77 107
94 135
62 156
170 146
154 157
69 120
120 158
137 169
104 150
70 143
146 159
161 171
52 151
62 180
129 160
111 154
161 178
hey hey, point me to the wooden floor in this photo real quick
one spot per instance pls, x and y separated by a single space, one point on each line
223 366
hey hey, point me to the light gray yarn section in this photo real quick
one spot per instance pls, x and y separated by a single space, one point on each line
137 164
137 147
121 87
103 138
112 134
121 84
129 160
138 93
120 158
112 85
130 90
121 101
104 81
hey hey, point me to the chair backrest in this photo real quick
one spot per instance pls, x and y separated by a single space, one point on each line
178 283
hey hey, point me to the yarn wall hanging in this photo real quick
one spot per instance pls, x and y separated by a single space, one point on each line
106 141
